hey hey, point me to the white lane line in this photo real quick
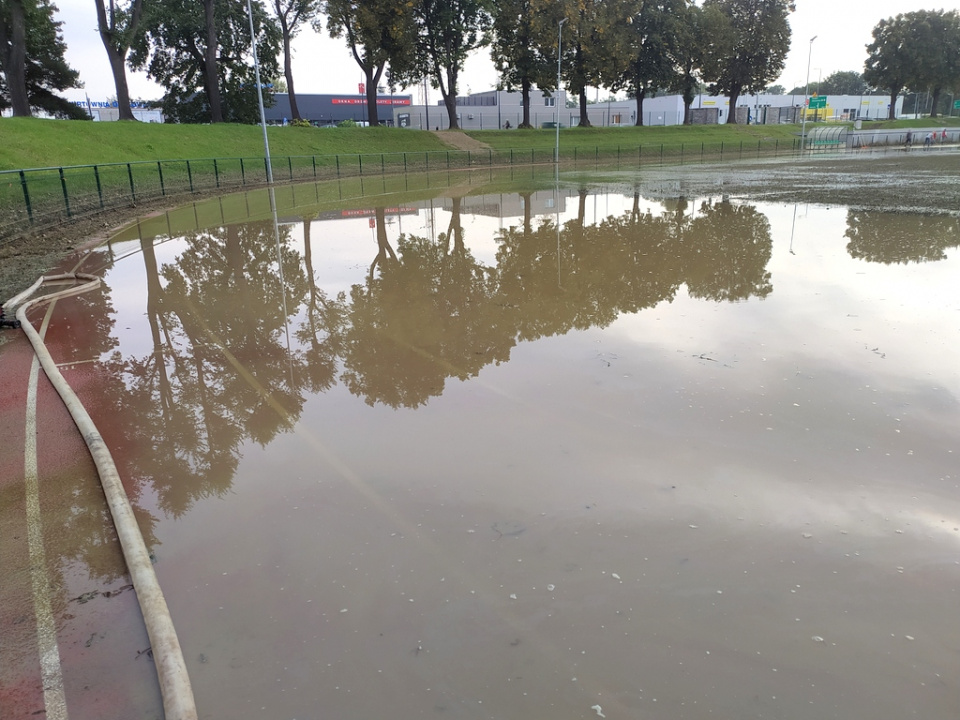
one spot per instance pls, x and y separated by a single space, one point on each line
50 670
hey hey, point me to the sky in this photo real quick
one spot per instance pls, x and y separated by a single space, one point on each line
324 65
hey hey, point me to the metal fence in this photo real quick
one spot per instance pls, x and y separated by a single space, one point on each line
44 197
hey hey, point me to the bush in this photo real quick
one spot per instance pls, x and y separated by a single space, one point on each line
346 123
300 122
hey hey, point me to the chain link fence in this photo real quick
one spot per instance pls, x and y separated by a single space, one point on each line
43 197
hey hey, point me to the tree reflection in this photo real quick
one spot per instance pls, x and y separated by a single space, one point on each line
220 372
900 238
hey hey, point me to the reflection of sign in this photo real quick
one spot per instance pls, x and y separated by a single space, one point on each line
817 102
373 222
368 212
363 101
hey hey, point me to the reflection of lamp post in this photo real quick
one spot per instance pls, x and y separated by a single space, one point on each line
556 104
806 87
256 72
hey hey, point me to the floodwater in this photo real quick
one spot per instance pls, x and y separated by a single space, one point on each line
565 453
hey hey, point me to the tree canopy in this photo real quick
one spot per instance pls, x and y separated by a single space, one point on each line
760 41
200 52
32 59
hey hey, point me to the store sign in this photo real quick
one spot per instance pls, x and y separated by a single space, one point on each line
363 101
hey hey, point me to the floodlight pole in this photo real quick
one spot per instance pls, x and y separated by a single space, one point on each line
556 102
803 124
256 72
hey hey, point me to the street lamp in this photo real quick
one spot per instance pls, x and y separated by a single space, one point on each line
806 87
556 103
256 71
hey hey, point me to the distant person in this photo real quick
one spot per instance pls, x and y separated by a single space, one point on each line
943 136
909 138
928 140
506 125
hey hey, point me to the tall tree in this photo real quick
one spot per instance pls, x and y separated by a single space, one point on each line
32 59
890 62
447 32
649 39
703 35
761 40
586 33
378 33
199 51
118 25
521 45
292 14
936 43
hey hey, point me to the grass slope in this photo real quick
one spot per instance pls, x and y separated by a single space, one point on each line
32 142
35 143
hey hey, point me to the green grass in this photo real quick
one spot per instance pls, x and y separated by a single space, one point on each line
35 143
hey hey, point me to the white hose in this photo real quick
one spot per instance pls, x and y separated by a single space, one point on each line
178 701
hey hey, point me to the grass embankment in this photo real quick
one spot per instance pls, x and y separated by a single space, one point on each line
34 143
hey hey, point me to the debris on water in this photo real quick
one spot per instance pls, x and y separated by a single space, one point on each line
909 637
551 587
694 526
817 638
513 596
598 710
807 536
343 610
614 576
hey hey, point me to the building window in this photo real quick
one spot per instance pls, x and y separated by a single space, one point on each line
549 102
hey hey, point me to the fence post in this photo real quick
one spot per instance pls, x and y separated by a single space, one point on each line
758 148
313 159
661 154
133 192
448 159
96 174
190 176
290 166
490 154
701 153
721 151
66 200
338 165
266 170
216 172
26 195
383 168
243 173
681 153
360 162
741 149
163 189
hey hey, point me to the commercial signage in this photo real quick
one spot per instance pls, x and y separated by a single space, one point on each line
107 104
363 101
817 102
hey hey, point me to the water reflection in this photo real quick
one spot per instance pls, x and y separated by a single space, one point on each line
388 306
888 237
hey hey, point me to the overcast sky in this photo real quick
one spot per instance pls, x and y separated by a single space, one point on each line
324 65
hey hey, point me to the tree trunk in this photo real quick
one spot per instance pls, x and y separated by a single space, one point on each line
372 76
525 95
686 111
894 93
641 94
117 51
288 73
935 95
15 60
450 99
211 76
732 111
584 118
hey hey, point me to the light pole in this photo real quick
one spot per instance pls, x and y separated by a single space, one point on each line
556 102
806 87
256 72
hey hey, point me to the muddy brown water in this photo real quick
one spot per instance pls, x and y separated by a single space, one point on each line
567 453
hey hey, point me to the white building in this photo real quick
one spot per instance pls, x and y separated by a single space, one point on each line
494 109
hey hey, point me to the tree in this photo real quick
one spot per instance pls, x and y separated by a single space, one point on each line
776 90
585 51
889 62
118 25
31 56
936 43
521 48
703 34
447 32
378 32
649 38
292 14
200 53
761 40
